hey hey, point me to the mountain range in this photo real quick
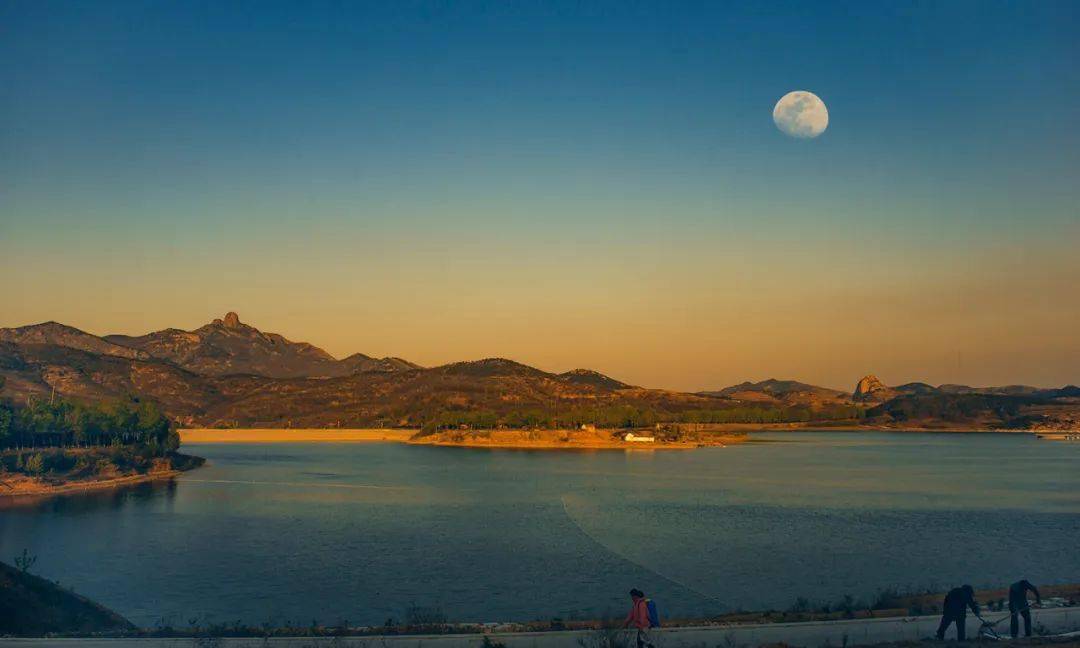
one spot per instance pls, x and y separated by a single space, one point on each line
228 373
222 347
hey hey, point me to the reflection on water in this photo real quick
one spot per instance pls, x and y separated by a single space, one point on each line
93 500
359 532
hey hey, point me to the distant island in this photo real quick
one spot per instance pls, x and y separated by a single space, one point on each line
228 374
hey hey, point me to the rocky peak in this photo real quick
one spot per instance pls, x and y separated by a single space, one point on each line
231 321
870 387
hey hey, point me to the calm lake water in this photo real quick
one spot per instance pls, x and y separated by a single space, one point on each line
359 532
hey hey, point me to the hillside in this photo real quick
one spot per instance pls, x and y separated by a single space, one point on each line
462 393
43 369
397 396
228 346
594 378
67 336
230 374
789 393
1009 407
33 606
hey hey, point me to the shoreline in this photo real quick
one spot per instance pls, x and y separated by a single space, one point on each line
827 426
504 439
294 435
38 489
715 435
570 446
574 439
22 487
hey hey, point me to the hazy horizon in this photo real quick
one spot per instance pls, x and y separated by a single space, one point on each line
565 185
345 354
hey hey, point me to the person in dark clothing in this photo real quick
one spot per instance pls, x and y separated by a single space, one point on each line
1018 605
954 610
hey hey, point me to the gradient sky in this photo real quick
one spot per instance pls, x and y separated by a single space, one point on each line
567 184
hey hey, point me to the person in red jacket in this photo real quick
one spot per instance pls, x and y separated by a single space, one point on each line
639 618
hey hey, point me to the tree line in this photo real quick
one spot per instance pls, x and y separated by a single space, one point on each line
57 423
952 407
629 416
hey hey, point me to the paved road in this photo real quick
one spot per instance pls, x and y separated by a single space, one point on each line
811 635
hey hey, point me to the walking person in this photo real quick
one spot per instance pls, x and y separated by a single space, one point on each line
954 610
1019 606
639 618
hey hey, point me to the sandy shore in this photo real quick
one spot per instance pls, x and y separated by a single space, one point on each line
717 435
203 435
566 440
523 439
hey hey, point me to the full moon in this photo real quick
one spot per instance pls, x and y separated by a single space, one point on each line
801 114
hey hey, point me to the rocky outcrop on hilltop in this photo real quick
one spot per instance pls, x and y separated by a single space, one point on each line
871 389
228 373
387 391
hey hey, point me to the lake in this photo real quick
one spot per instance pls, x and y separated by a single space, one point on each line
360 532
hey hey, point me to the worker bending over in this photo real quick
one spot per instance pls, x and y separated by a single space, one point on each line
954 610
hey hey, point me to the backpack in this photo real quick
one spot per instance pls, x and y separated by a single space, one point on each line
654 616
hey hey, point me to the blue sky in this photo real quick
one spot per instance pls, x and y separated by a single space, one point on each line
424 147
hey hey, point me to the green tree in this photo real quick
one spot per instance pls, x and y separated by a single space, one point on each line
35 464
7 422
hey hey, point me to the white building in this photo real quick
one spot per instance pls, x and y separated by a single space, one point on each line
630 436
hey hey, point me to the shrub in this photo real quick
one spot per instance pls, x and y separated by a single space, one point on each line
35 464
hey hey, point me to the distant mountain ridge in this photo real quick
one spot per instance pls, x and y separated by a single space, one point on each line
228 346
871 388
594 378
228 373
67 336
790 393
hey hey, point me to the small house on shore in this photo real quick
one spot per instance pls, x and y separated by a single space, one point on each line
634 438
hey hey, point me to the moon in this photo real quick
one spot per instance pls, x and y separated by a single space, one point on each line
801 114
